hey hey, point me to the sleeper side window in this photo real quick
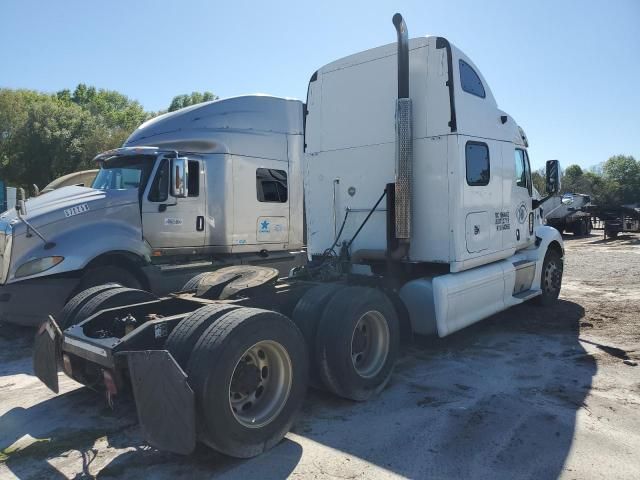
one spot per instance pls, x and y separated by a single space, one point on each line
271 185
159 191
194 178
470 80
478 163
521 171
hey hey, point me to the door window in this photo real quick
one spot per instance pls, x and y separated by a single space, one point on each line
159 191
522 170
271 185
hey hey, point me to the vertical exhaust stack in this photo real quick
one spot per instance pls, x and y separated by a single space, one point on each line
404 145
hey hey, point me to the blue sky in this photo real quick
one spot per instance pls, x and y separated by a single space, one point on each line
568 71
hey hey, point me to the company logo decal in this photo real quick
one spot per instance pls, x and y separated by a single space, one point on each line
521 213
173 221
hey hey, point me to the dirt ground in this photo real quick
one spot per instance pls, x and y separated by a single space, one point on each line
529 393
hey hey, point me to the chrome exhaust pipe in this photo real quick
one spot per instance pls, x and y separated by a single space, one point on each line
403 55
404 144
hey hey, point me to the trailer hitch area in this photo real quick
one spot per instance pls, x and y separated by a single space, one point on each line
46 353
165 401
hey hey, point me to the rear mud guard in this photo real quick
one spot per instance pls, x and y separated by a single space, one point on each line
47 352
164 401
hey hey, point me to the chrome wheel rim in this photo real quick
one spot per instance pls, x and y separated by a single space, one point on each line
260 384
370 344
552 277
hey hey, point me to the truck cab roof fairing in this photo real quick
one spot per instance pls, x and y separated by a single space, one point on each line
202 128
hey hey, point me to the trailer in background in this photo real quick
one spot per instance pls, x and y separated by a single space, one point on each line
568 214
615 220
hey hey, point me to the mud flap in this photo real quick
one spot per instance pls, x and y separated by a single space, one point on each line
46 353
164 400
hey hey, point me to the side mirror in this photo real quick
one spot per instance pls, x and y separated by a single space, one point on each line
36 190
179 177
553 177
21 206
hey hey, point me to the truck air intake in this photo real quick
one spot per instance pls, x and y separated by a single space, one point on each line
404 145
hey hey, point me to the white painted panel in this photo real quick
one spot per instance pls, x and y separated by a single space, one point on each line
464 298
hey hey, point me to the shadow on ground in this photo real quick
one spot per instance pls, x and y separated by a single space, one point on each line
496 400
15 346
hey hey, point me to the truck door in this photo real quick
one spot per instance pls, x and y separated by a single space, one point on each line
169 222
482 194
522 234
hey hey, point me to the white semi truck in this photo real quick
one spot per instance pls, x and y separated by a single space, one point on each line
420 219
136 228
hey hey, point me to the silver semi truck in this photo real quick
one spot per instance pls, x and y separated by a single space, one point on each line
214 184
420 219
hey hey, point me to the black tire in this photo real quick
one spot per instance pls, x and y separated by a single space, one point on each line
108 274
306 316
185 335
73 306
589 227
581 228
192 284
116 297
213 363
336 336
551 278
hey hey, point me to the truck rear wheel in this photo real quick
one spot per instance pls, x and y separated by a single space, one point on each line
115 297
306 316
73 306
184 337
551 278
249 373
357 343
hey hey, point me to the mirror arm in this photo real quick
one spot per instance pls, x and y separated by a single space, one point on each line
538 203
30 228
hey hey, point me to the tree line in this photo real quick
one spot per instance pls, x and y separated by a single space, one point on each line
614 182
44 136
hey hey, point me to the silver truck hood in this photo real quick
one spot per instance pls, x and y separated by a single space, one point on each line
67 202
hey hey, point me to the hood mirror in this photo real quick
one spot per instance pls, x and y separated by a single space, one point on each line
179 177
21 206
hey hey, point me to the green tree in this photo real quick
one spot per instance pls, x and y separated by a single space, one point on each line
539 182
44 136
185 100
623 173
572 179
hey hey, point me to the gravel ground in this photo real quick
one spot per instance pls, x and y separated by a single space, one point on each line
529 393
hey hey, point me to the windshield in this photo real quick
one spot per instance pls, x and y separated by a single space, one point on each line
124 173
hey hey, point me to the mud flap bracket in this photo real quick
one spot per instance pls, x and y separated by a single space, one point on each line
164 400
46 353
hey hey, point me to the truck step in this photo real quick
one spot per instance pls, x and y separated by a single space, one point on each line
527 294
